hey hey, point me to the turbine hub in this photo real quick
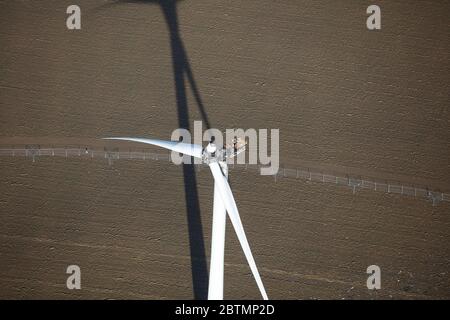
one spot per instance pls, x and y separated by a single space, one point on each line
211 148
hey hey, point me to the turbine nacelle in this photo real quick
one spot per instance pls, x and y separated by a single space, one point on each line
213 153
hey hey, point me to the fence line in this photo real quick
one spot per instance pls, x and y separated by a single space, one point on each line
361 183
307 174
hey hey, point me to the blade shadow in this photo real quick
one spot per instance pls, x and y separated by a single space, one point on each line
182 71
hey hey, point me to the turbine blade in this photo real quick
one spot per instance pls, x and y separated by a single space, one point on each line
193 150
230 204
215 289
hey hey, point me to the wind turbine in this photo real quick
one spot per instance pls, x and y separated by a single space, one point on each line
223 202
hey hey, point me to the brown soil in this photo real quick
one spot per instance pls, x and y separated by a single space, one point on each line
342 96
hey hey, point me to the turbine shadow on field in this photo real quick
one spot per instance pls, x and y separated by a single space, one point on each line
182 70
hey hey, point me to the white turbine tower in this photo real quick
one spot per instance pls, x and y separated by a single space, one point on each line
223 202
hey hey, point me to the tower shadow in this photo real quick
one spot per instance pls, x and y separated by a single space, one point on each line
182 71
